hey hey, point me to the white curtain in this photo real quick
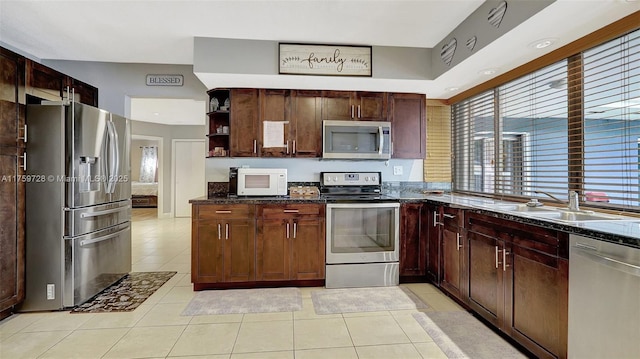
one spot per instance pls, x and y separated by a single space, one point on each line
148 164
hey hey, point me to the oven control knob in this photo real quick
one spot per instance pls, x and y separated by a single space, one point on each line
335 178
366 179
328 179
373 179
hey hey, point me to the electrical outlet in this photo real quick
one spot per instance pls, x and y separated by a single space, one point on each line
397 170
51 291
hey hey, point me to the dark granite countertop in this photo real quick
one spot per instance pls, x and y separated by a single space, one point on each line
625 232
255 200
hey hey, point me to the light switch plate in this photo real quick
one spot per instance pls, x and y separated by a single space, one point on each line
397 170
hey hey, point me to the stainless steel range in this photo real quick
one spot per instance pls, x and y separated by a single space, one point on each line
362 231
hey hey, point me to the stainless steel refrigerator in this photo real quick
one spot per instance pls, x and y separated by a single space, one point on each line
78 207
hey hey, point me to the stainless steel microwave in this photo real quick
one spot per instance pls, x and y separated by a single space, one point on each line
259 181
356 140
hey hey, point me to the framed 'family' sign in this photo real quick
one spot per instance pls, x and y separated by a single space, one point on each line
332 60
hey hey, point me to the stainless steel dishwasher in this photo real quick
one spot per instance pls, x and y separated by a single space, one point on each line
604 299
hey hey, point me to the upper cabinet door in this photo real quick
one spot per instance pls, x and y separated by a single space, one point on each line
408 131
275 107
371 106
244 122
336 105
44 82
306 123
84 93
48 84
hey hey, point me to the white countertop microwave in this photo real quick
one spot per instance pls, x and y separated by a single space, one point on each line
262 182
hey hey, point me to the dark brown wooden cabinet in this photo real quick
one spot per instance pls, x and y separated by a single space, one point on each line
274 107
453 250
48 84
413 240
290 242
244 122
431 215
223 244
299 111
354 105
12 188
371 106
306 123
336 105
518 281
408 120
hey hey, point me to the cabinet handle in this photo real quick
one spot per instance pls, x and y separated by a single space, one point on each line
505 253
359 112
435 219
24 161
223 212
255 146
287 146
291 211
497 263
449 216
295 229
226 231
351 111
24 137
458 241
294 147
287 229
219 231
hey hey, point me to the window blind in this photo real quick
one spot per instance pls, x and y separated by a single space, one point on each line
532 148
611 127
571 126
473 144
437 163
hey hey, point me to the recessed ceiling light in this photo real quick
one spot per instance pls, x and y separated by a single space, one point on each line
156 113
487 72
541 44
451 89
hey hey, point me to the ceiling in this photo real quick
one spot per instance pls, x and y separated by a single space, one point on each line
162 31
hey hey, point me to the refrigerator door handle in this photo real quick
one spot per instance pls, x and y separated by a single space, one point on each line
114 157
102 213
85 242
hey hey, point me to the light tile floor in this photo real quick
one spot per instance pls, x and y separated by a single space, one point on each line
157 330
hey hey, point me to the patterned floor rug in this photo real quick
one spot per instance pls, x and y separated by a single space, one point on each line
460 335
351 300
127 294
234 301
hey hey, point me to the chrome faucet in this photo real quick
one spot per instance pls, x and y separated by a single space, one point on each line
573 199
550 195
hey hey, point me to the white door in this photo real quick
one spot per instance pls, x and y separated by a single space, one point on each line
189 181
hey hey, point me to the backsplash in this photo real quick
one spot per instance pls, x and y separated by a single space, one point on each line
221 189
308 169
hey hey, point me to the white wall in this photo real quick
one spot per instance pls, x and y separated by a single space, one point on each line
117 82
308 169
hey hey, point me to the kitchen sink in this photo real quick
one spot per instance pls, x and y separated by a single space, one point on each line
524 208
590 216
559 214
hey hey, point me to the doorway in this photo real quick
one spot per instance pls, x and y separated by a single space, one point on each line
146 190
